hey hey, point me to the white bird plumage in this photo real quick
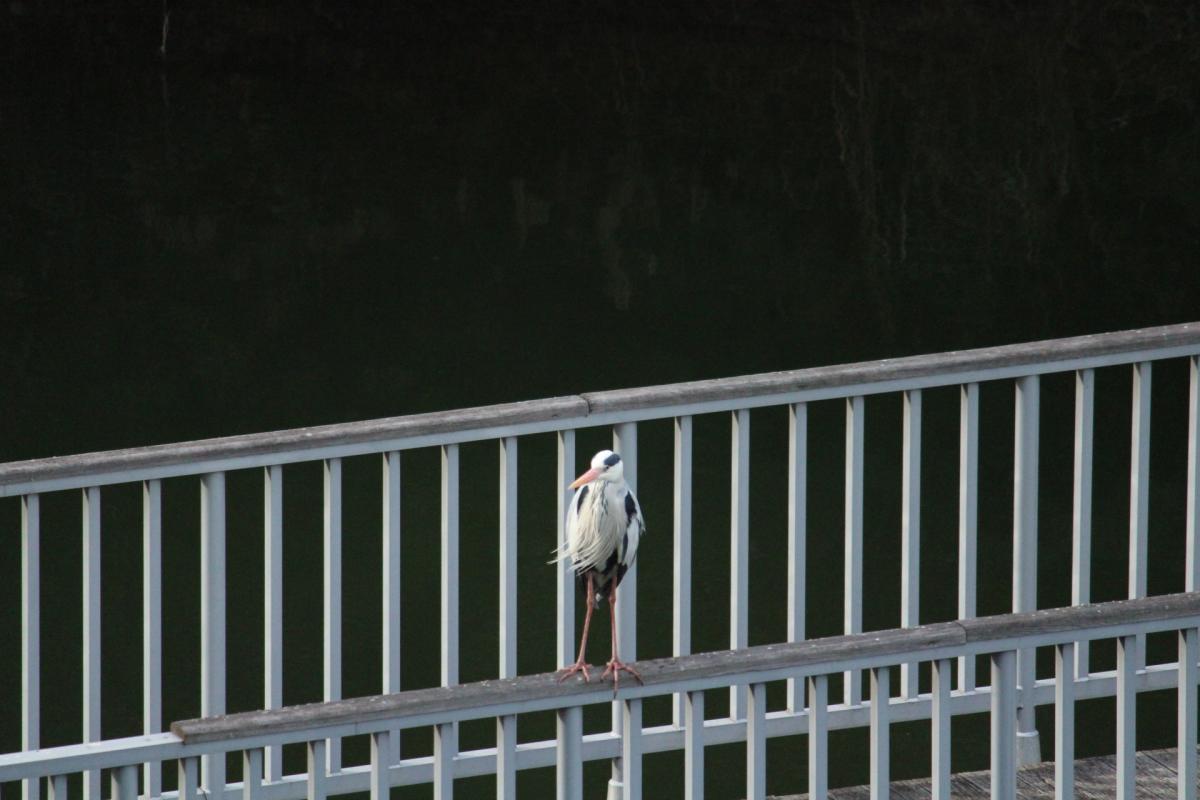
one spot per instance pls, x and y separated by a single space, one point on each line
604 527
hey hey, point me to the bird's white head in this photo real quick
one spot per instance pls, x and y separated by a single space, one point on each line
606 466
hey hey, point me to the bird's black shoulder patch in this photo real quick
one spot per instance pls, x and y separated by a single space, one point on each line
613 459
631 508
583 492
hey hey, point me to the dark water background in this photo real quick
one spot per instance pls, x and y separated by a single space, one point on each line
310 215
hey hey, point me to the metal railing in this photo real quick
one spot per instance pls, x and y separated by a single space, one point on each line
999 638
208 461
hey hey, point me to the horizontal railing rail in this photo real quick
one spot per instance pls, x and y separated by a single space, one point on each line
596 408
815 660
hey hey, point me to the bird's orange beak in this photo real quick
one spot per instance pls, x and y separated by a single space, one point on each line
586 477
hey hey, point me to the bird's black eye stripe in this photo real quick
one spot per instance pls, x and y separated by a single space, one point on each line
611 460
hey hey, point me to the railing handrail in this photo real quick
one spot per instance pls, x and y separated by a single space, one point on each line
594 408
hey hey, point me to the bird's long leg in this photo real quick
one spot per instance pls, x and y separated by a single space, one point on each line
615 665
580 665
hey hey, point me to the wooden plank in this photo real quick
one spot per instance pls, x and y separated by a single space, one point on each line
812 655
941 369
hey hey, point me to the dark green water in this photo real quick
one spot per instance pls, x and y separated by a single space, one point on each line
265 235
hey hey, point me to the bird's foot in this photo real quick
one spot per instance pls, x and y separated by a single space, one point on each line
578 666
614 668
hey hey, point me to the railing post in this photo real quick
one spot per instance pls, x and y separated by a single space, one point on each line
756 742
625 443
818 737
1025 536
1064 721
212 617
391 587
189 778
445 746
910 533
31 625
92 663
564 573
1081 528
506 727
693 746
853 561
315 752
940 731
797 515
682 587
124 782
1003 724
739 549
1139 493
631 747
1189 652
1192 561
273 608
381 760
56 786
152 625
1127 650
333 596
880 746
968 517
252 773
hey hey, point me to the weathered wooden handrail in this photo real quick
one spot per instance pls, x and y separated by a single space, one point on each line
701 671
597 408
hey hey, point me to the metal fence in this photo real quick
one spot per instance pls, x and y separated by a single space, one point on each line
209 461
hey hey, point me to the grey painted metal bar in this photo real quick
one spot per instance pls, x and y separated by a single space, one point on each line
565 575
124 783
818 737
212 616
1186 697
252 773
1192 558
381 759
625 442
797 537
568 755
152 700
693 746
273 607
316 758
189 778
910 530
1139 489
631 748
91 631
31 627
681 601
968 517
449 566
332 594
391 587
506 727
756 742
1025 531
739 548
940 739
1081 504
1126 716
598 408
880 741
56 787
1004 726
852 581
1064 721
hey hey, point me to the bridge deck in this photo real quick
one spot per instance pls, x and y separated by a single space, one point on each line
1095 778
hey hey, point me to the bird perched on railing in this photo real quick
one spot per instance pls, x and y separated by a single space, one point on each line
604 524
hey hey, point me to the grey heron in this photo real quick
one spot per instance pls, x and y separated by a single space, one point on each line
604 524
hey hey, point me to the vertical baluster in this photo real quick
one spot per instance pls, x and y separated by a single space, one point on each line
91 632
316 758
1081 528
631 747
1126 715
31 627
252 773
152 625
881 778
940 730
565 575
506 727
739 549
445 746
57 788
449 592
1025 533
212 618
333 596
852 602
797 533
124 782
1003 724
569 721
381 759
1064 721
682 600
693 746
273 607
625 443
756 742
818 737
391 588
1192 562
1189 676
1139 492
968 517
189 778
910 532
